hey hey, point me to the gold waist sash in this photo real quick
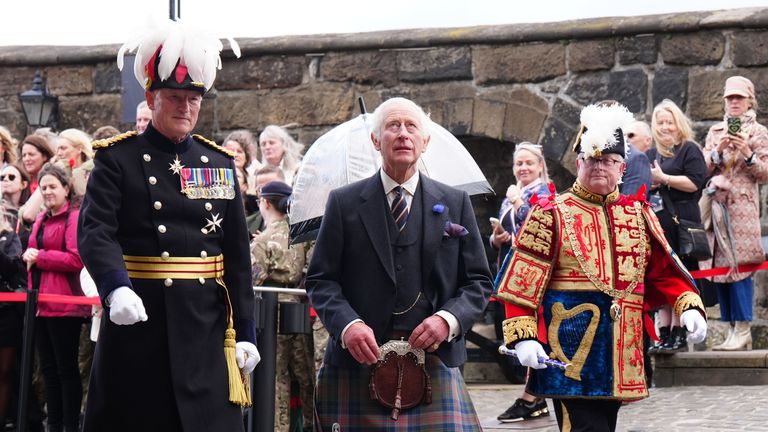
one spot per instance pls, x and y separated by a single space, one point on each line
153 267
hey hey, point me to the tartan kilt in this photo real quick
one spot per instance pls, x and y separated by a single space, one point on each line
342 398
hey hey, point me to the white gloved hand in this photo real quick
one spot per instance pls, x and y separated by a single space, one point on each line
125 307
528 353
247 356
695 324
513 193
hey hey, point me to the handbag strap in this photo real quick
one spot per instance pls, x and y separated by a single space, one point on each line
669 205
665 198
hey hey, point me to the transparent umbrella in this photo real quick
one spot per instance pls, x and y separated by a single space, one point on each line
346 154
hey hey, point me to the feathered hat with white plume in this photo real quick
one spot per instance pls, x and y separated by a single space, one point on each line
602 127
173 54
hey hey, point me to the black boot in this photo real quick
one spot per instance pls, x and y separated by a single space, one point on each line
675 343
663 337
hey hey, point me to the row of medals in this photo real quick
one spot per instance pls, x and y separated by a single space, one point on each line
216 191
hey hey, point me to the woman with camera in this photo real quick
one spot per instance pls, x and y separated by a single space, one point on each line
678 173
736 153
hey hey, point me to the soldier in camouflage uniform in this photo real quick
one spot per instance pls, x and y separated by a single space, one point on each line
275 263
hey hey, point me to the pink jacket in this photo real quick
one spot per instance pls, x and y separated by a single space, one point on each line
58 261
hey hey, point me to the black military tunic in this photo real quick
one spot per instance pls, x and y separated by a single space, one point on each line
167 373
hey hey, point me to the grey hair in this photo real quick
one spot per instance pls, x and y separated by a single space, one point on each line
291 148
379 114
642 128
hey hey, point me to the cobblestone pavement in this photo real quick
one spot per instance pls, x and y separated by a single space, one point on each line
669 409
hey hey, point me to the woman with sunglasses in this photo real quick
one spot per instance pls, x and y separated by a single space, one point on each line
12 278
14 182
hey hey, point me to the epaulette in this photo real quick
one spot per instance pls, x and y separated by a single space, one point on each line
109 142
214 146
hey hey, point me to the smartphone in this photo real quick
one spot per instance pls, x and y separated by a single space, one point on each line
493 221
734 125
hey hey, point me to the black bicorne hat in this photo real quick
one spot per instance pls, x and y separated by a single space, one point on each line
602 130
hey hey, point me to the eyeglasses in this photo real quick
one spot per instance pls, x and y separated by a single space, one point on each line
606 163
9 177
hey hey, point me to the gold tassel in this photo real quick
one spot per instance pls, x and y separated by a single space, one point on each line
239 388
239 385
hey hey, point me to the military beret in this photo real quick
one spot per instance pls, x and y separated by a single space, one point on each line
276 189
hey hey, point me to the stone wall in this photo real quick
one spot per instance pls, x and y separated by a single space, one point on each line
492 86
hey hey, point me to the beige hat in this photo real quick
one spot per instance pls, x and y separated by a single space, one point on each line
738 85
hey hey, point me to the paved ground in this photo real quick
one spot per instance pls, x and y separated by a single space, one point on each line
705 408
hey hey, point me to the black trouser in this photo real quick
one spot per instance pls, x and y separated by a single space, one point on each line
58 340
587 415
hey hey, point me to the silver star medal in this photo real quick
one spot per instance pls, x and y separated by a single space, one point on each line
212 224
176 166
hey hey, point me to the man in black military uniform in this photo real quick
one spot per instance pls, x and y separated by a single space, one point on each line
162 231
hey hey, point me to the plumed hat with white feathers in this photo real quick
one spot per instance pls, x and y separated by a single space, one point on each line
173 54
602 129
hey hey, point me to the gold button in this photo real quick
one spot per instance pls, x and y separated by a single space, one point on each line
158 205
168 282
203 254
208 206
161 228
204 159
165 255
147 157
152 180
202 280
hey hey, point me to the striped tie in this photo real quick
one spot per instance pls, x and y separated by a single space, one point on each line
400 208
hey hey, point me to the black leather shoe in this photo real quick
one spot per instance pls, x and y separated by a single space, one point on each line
663 337
675 343
524 410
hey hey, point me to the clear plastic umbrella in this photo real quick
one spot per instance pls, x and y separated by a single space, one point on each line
346 154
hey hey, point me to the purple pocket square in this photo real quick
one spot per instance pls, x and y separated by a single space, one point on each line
454 230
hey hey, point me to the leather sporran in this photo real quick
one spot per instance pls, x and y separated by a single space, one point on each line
399 380
692 240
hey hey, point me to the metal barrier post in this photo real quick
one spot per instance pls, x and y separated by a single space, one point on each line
26 358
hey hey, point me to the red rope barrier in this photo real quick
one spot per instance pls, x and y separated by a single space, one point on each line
51 298
81 300
721 271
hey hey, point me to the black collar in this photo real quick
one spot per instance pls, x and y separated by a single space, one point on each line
163 143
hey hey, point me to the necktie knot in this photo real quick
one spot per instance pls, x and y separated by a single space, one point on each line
399 208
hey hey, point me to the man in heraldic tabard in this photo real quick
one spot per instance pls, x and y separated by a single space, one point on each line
586 266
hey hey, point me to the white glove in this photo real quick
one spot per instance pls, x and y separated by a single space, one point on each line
125 307
513 193
247 356
528 352
695 324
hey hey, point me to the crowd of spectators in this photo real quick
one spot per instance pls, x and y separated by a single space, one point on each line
44 175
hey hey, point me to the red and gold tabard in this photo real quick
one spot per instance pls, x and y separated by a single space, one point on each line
583 270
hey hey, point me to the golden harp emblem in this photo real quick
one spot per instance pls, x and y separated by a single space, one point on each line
573 332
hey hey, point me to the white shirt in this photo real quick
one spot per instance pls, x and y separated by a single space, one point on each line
409 186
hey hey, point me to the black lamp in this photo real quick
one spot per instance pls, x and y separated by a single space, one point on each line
40 108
